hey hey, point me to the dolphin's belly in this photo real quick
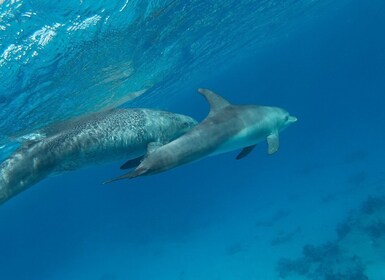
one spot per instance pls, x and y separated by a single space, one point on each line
241 140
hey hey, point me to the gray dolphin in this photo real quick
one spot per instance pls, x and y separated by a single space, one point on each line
114 135
227 127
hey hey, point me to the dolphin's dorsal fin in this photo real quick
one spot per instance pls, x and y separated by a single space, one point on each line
133 163
29 143
246 150
216 102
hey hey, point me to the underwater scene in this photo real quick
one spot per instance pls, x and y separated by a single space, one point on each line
185 139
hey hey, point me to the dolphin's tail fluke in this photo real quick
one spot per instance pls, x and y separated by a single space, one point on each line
136 173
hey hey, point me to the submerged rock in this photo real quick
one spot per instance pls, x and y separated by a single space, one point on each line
357 253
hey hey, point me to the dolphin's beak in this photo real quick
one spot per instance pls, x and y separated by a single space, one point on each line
292 119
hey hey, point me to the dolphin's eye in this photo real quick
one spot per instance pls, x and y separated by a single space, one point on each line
286 118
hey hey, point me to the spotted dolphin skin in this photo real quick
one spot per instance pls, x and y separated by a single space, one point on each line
227 127
104 137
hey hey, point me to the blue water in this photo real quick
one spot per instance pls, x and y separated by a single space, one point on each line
218 218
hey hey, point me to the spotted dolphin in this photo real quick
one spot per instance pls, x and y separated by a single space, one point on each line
119 134
227 127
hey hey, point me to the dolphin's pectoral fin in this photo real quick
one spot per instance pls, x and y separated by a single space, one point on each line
245 152
132 163
216 102
273 143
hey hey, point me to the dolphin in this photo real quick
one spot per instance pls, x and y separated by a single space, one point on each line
118 134
227 127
